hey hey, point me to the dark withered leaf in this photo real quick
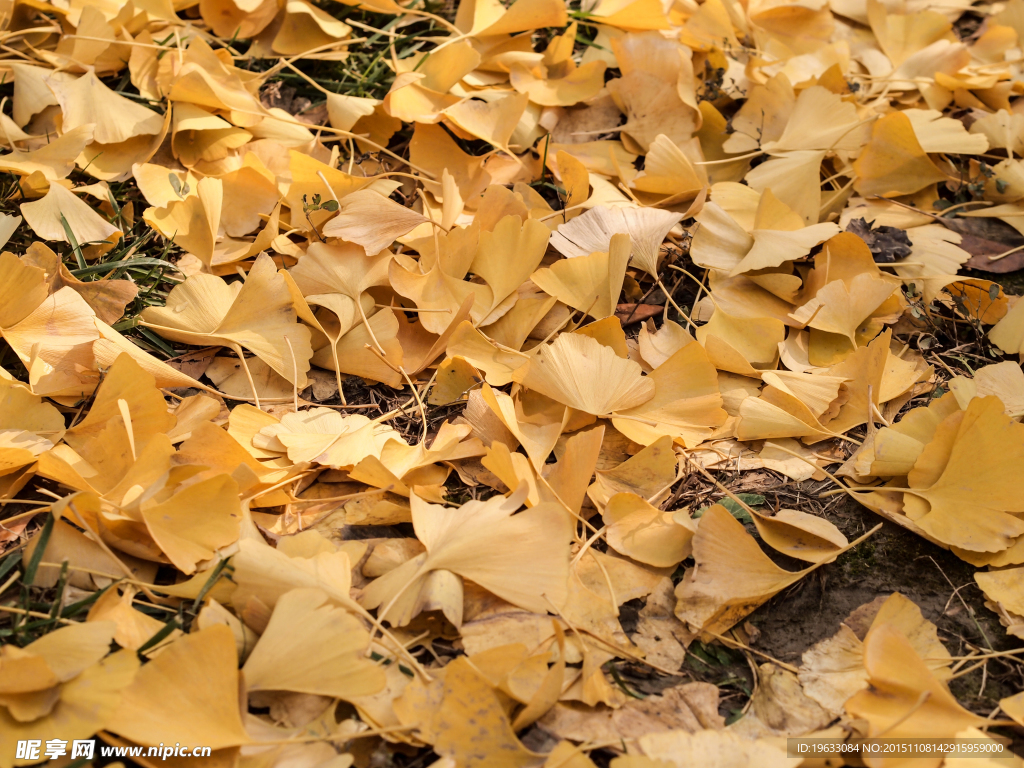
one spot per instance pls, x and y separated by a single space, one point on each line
886 243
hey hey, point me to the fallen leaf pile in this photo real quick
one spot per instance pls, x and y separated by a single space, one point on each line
431 368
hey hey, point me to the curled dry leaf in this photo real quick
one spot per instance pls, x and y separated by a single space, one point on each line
732 576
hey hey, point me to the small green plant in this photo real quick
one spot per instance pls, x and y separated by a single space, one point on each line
317 204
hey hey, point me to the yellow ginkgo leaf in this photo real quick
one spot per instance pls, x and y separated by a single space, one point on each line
455 379
110 345
893 162
130 392
80 698
340 268
1003 590
23 287
1004 380
721 241
937 134
189 691
469 725
645 533
244 19
212 447
687 402
529 568
68 543
507 256
195 522
776 413
57 657
198 135
344 110
30 426
657 347
115 119
711 748
773 247
537 433
401 466
820 119
504 258
372 221
55 342
263 575
305 27
591 283
107 298
52 161
47 217
741 345
582 373
308 176
338 314
311 646
843 309
420 347
963 488
892 451
32 91
356 352
327 437
498 363
874 375
833 670
800 535
134 627
670 173
494 121
817 392
193 222
483 19
904 699
1008 333
732 575
593 230
439 294
647 474
258 315
556 80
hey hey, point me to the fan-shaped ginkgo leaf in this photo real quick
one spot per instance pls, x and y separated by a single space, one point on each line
522 558
189 691
327 437
732 575
591 283
372 221
582 373
964 488
312 646
904 699
48 215
592 232
257 314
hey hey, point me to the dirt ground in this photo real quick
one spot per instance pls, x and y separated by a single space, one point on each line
892 560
